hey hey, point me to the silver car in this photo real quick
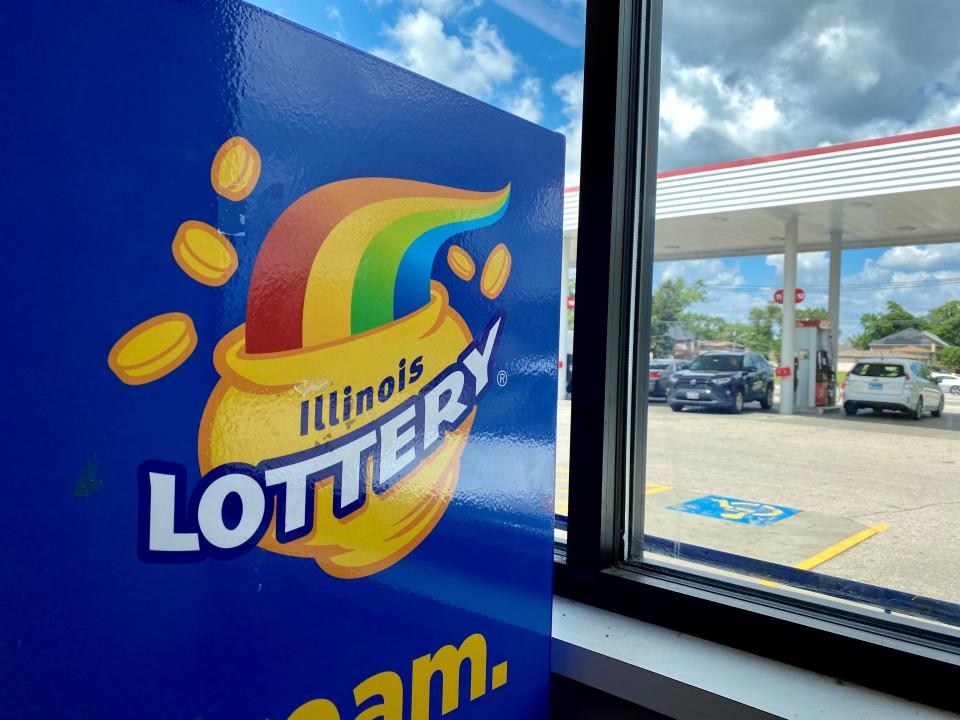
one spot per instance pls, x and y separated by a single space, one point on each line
661 370
948 382
892 384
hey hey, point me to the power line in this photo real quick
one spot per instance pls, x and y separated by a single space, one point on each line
873 287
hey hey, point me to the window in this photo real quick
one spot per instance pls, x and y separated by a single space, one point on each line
711 362
794 204
877 370
698 518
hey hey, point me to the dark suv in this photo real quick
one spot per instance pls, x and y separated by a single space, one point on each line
724 380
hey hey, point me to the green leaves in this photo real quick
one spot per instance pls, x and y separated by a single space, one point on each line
950 357
943 321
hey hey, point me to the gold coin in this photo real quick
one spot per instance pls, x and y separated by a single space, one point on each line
203 253
461 263
153 348
235 169
495 271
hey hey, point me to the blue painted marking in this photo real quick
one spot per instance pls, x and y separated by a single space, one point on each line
745 512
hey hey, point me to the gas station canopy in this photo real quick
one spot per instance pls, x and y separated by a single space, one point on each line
902 190
885 192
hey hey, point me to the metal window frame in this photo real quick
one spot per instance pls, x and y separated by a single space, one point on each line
608 429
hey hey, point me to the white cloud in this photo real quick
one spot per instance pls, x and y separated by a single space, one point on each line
722 277
921 257
762 114
333 13
680 116
698 98
900 270
569 88
813 268
849 51
713 271
477 64
774 77
813 276
894 276
527 101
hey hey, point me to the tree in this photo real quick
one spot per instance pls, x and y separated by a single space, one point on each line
879 325
764 323
950 357
737 334
670 300
811 313
705 327
944 321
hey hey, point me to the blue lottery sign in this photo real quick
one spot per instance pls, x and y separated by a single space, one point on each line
283 339
745 512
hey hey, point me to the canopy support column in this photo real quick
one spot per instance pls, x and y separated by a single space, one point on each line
788 329
833 299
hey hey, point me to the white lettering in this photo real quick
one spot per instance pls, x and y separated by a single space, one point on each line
478 363
351 476
433 414
393 458
394 441
210 510
320 466
295 497
163 538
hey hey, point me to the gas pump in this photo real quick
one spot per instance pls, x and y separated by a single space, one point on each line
815 383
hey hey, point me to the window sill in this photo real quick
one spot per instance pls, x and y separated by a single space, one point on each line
686 677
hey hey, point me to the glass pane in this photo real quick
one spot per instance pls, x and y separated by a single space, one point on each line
524 58
808 212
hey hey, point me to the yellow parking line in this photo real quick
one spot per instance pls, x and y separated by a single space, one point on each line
834 550
843 545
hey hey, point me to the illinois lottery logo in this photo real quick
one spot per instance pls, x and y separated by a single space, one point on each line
346 398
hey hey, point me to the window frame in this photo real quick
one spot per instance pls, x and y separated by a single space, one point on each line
608 429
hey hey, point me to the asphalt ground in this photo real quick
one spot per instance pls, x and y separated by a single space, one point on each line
869 498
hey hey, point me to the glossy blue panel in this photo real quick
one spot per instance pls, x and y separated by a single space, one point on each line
166 385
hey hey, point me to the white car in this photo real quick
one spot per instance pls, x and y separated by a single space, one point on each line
892 384
948 382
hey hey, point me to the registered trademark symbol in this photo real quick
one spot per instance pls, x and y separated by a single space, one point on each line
501 378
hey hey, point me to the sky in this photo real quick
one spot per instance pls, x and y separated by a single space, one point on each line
740 78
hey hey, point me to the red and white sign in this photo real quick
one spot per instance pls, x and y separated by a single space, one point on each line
798 297
571 301
782 372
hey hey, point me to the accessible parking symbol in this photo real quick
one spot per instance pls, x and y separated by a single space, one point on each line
745 512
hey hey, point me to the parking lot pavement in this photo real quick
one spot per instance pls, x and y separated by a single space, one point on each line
950 420
880 494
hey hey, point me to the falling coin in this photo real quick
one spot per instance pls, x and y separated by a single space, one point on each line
495 272
203 253
461 263
153 348
235 169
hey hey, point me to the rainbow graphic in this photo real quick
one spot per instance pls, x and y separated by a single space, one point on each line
355 255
